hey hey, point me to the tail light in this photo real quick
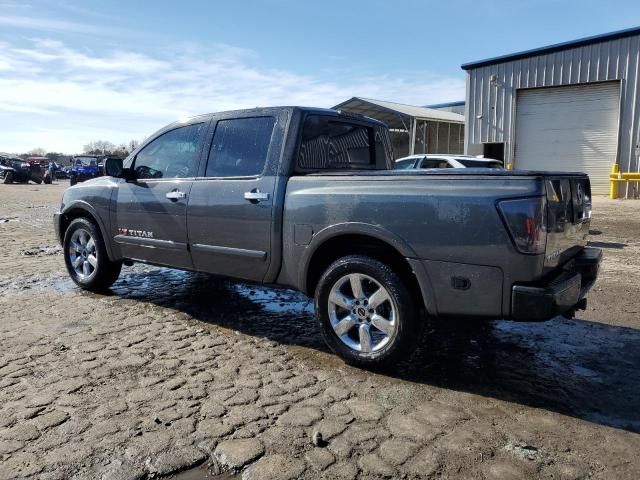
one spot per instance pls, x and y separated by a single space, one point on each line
525 220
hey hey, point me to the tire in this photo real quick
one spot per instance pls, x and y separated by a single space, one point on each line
95 275
37 180
8 177
73 181
386 345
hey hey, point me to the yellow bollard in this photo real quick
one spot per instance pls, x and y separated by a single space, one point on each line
613 184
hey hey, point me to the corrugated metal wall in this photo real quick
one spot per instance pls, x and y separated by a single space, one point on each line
495 102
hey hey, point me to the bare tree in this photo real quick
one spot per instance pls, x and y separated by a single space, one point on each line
39 152
132 145
99 147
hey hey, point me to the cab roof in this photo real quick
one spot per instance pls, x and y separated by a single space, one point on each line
267 110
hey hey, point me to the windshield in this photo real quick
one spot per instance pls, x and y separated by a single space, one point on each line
479 163
404 164
86 161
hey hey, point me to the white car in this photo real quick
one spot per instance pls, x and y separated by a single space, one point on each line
446 161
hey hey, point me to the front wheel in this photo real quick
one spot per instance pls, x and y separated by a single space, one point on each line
73 181
86 258
365 312
8 177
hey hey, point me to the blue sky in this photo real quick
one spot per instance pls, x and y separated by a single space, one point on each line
72 72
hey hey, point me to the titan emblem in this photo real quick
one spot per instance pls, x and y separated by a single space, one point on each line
135 233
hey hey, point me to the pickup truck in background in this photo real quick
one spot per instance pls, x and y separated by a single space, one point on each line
308 198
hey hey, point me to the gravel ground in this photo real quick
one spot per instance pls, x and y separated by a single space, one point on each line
175 370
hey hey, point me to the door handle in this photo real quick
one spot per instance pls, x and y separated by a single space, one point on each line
176 195
256 196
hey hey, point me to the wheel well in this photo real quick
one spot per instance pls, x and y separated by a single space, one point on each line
70 216
354 244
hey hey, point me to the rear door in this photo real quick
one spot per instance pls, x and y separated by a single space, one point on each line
149 215
230 218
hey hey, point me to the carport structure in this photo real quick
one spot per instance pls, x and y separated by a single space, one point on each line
413 129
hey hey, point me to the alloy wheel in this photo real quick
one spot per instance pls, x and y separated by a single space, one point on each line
83 254
362 313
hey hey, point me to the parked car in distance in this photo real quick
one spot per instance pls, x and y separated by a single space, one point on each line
307 199
13 169
84 167
446 161
37 161
63 172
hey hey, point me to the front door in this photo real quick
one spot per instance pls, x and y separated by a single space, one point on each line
230 207
149 220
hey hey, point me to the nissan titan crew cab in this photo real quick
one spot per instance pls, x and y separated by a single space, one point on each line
308 198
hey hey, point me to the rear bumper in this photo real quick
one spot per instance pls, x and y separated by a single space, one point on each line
561 294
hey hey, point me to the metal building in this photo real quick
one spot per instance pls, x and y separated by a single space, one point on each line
413 129
455 107
571 106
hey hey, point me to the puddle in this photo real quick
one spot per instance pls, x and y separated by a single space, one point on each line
276 301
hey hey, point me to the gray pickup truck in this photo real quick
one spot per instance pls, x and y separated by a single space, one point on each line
307 198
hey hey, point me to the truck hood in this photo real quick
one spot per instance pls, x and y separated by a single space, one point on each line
97 182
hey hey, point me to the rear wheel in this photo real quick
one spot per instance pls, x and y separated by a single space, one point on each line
86 258
8 177
366 312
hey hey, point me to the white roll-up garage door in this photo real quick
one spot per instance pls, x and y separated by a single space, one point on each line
573 128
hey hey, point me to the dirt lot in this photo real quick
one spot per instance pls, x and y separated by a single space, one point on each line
175 370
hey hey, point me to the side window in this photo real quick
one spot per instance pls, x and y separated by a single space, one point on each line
173 154
335 144
240 147
434 163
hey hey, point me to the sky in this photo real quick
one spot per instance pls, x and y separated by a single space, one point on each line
72 72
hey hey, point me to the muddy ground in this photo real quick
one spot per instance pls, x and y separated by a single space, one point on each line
175 370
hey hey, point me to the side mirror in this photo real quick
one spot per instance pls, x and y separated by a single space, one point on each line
113 167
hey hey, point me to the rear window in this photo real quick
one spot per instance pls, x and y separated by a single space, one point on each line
435 163
479 163
329 142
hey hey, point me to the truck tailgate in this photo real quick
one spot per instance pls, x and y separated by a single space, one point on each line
568 217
